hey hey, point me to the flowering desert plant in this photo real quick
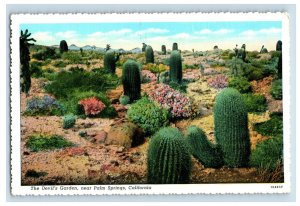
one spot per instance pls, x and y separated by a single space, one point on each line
218 81
92 106
148 76
46 105
178 104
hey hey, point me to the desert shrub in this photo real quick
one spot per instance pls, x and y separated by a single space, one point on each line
36 69
147 115
218 81
272 127
92 106
42 142
66 82
268 154
124 100
69 121
240 83
180 105
255 102
202 149
60 64
46 53
253 54
148 76
169 160
276 90
180 87
72 104
72 57
46 105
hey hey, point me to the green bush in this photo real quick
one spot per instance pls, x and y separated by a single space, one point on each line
60 64
73 57
272 127
276 90
46 53
202 149
268 154
147 115
240 83
36 69
255 102
69 121
169 160
41 142
66 82
72 106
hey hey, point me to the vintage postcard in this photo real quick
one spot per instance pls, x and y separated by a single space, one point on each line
140 103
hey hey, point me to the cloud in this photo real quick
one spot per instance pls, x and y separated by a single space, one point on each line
151 31
215 32
252 33
67 34
109 33
43 37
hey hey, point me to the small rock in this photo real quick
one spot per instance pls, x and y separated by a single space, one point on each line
100 137
120 149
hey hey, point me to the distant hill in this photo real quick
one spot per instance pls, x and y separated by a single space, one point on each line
94 48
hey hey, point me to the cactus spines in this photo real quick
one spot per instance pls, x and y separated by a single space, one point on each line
110 59
163 50
25 43
279 45
202 149
175 67
144 47
63 46
131 79
231 127
149 55
169 160
175 46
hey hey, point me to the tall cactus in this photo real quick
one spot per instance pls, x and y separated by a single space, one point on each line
202 149
242 52
131 80
25 43
144 47
163 50
279 65
110 59
175 46
169 160
231 127
63 46
176 67
149 55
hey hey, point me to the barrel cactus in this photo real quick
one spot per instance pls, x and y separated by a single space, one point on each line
169 160
144 47
163 50
175 67
175 46
25 75
279 45
110 59
63 46
69 121
131 79
202 149
149 55
231 127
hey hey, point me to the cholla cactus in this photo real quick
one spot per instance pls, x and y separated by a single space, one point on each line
25 43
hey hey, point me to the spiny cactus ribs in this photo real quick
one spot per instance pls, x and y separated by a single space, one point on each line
169 160
131 80
231 127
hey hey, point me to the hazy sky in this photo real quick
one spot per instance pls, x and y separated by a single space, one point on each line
189 35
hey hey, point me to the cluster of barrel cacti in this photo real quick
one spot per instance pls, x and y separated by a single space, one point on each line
110 59
25 43
169 152
131 79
